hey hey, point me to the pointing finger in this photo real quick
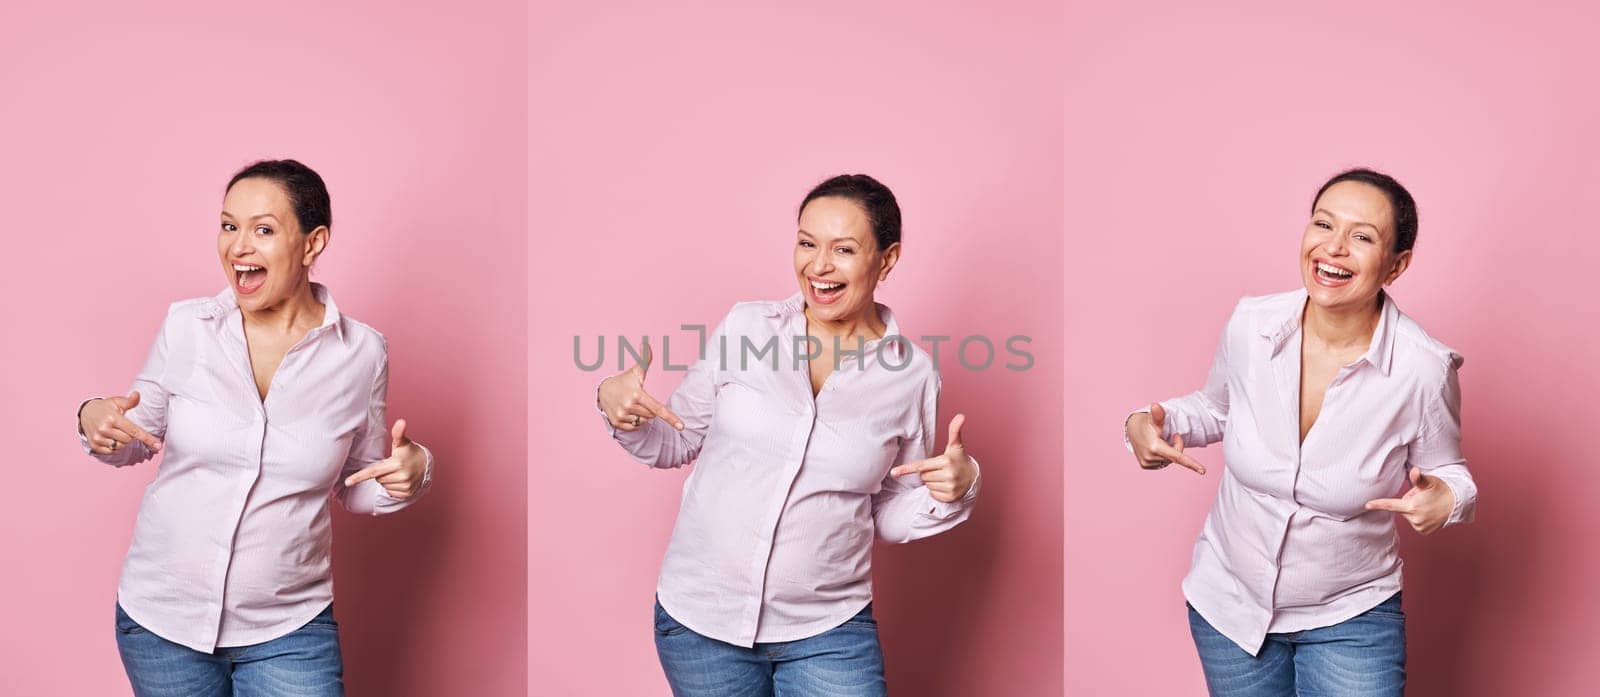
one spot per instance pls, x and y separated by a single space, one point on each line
1390 505
938 475
143 436
660 410
1175 455
1190 463
918 466
373 471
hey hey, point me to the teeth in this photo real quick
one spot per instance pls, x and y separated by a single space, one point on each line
1331 269
244 267
826 286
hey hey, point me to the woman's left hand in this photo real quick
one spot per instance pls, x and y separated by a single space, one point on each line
401 473
948 476
1426 505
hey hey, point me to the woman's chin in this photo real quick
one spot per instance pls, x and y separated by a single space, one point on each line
253 302
834 311
1339 298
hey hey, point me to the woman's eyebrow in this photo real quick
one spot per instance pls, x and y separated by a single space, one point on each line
257 216
1330 214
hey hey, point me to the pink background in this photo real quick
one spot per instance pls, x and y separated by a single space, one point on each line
1195 140
669 149
122 125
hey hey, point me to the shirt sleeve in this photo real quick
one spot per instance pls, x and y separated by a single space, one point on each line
1437 448
657 443
371 444
903 509
1200 416
151 412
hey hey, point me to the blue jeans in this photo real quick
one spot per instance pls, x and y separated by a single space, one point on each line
1364 656
302 663
845 661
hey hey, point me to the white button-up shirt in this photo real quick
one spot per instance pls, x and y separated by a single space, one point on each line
232 543
1289 544
773 540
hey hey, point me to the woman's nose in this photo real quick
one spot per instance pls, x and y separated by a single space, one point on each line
1335 245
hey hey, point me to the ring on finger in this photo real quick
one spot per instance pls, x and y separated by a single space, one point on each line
635 420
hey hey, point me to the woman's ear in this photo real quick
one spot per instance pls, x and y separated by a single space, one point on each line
316 241
890 257
1401 263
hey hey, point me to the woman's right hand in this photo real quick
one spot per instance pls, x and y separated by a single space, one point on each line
625 403
1153 452
105 423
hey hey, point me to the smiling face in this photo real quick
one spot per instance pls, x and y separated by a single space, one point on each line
265 254
1347 253
837 260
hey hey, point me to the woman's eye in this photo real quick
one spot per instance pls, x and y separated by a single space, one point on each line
1364 238
263 230
845 250
806 244
228 227
1324 225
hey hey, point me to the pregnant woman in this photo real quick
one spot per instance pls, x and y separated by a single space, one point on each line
1328 400
811 423
263 401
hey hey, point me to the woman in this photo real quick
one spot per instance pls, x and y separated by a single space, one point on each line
1327 400
263 400
765 588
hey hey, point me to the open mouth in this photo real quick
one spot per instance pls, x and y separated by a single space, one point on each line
1331 275
825 292
248 278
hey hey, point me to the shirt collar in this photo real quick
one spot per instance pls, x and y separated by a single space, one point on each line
1380 353
796 304
225 304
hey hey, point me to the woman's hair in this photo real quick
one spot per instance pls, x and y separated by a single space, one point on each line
1405 207
871 195
307 194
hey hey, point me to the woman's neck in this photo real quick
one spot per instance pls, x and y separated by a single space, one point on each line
1342 328
866 324
300 311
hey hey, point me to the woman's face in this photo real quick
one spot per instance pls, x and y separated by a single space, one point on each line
1347 254
837 260
265 255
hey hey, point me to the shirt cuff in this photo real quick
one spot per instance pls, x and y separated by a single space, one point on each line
83 438
427 470
1466 498
610 430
